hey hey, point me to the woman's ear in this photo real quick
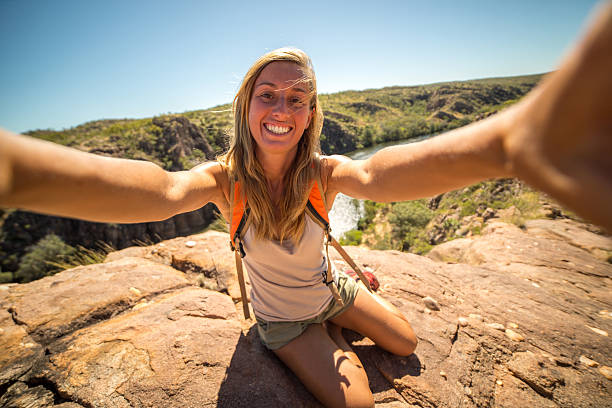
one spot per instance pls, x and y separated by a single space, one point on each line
312 112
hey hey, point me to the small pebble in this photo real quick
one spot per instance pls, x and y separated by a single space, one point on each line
140 305
1 330
588 362
496 326
513 325
599 331
431 303
135 291
190 244
514 335
476 316
535 285
162 244
606 372
562 361
427 311
462 321
443 374
499 382
605 313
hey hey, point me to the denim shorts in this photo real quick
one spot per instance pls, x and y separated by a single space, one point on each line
275 335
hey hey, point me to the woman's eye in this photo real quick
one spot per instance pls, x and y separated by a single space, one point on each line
266 95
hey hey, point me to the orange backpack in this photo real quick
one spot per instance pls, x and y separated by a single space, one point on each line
316 208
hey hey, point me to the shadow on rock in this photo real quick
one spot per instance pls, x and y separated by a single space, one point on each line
381 366
257 378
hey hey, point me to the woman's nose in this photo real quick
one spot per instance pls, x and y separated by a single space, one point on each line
281 108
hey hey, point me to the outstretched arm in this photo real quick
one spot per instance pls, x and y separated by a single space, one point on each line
424 169
44 177
558 139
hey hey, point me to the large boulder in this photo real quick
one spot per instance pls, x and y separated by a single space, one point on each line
510 318
57 305
206 260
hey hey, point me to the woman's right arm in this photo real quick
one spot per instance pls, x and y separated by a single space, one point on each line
44 177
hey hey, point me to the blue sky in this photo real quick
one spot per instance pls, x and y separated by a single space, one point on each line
68 62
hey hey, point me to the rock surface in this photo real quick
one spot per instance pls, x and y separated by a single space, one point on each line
154 327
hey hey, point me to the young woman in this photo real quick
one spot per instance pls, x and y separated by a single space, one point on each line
559 138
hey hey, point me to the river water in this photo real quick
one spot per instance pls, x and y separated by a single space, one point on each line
344 214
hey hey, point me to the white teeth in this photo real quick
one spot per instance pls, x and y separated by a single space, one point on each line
279 130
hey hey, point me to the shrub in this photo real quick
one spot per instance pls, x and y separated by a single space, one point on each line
409 214
6 277
41 258
84 256
352 237
218 224
408 220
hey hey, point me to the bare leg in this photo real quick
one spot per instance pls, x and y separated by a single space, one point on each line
374 317
326 371
335 332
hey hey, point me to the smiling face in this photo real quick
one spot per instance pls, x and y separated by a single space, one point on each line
279 108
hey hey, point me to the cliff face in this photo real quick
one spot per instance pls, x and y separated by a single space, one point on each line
511 318
21 229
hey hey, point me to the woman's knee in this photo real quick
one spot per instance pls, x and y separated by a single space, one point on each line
404 342
407 347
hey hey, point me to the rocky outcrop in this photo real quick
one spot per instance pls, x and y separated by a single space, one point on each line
178 140
511 318
335 139
205 260
20 229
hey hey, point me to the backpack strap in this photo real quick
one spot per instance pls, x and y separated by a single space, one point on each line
239 213
316 208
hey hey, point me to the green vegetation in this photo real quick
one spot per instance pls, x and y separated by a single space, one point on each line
408 220
40 259
51 255
85 256
353 119
218 224
352 237
415 226
356 119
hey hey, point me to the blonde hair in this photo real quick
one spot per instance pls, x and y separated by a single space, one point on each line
240 160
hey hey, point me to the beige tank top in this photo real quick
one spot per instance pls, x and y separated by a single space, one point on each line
286 281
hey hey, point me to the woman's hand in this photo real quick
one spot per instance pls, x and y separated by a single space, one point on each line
559 137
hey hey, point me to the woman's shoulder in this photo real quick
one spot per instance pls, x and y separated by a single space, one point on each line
214 169
328 165
220 173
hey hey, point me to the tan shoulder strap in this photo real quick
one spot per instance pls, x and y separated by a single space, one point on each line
238 216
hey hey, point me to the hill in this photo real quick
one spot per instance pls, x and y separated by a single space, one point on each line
353 119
